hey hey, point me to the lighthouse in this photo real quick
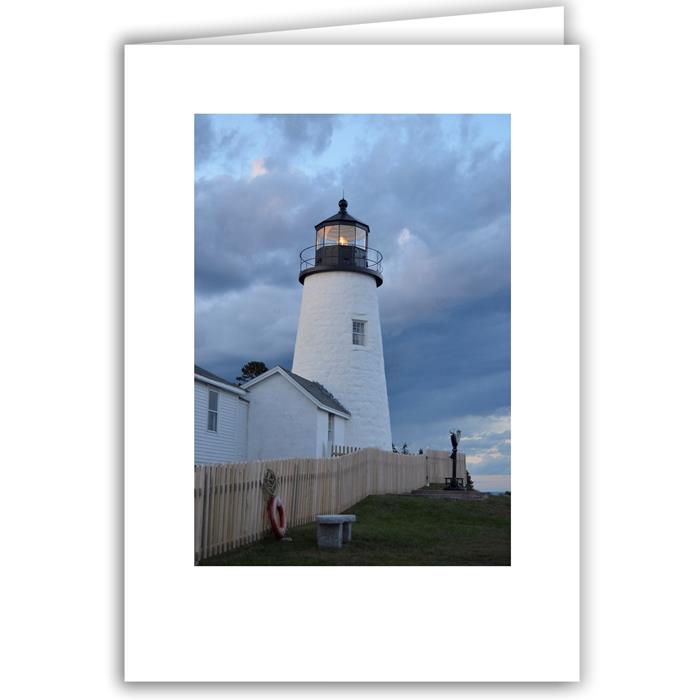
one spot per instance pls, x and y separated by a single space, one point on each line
339 336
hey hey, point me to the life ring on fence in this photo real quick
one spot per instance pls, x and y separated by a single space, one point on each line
278 516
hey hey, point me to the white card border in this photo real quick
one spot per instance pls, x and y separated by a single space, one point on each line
516 623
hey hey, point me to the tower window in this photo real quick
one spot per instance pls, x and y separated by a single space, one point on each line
213 415
358 332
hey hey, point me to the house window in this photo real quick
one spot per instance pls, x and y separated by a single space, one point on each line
213 415
331 428
358 332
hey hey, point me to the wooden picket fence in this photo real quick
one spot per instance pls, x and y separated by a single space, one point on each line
439 465
340 450
230 504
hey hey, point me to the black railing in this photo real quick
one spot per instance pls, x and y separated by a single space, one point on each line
339 256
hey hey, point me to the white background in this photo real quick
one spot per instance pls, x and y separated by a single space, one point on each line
61 223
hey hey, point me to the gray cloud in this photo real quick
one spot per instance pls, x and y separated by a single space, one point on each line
211 144
301 131
485 439
256 322
439 210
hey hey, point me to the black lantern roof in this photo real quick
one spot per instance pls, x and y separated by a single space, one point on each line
342 217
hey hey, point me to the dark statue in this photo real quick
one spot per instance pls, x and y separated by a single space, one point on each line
454 484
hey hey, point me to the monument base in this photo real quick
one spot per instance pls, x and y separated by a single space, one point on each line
454 484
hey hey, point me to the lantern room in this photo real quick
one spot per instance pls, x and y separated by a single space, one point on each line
341 244
342 229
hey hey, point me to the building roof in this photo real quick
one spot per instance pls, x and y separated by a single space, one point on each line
315 391
206 374
342 217
319 392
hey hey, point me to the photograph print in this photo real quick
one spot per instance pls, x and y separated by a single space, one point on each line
352 340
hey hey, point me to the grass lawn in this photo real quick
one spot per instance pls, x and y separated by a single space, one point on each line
396 531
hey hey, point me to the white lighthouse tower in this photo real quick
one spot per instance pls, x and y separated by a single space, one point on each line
339 337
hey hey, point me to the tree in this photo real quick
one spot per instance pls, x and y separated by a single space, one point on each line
470 483
250 370
393 448
404 449
420 452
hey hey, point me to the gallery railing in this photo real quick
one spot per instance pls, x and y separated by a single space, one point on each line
339 256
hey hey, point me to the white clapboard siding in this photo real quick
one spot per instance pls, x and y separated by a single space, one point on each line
230 441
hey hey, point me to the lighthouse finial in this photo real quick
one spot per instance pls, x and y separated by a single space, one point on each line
343 204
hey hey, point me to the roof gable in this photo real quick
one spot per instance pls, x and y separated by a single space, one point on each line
313 390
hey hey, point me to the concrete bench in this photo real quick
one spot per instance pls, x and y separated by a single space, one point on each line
333 530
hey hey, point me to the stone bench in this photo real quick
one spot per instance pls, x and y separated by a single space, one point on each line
333 530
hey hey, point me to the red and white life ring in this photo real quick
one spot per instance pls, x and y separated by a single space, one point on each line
278 516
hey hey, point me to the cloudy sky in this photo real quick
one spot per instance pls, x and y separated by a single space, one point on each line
435 191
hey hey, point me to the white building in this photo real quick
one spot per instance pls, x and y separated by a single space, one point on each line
220 419
339 336
292 417
278 414
336 392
